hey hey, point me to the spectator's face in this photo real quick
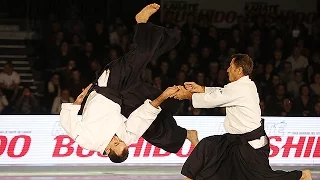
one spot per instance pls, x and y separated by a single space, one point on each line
55 79
89 47
99 28
317 79
157 81
195 40
60 36
305 91
113 55
64 47
65 94
26 92
250 51
275 80
296 51
71 64
287 67
200 77
185 68
192 59
181 77
213 32
279 43
56 27
214 66
75 39
298 77
256 40
76 75
173 54
277 55
205 52
260 69
94 65
7 69
286 103
164 67
280 90
223 44
269 68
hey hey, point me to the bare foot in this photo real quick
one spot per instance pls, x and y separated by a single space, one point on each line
192 136
144 15
306 175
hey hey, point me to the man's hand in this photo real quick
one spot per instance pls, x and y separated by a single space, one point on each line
82 95
169 92
193 87
182 94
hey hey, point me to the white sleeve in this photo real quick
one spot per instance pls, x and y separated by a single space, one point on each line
138 122
69 118
216 97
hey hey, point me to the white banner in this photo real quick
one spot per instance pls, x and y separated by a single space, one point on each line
223 14
41 140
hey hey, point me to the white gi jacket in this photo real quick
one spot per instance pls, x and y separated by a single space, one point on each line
102 119
241 100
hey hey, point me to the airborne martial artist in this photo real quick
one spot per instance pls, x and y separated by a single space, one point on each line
118 110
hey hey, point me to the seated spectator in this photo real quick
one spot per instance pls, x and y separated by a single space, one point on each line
315 87
274 103
64 98
76 45
66 74
3 101
303 105
316 110
26 103
293 86
277 61
9 82
287 108
298 61
76 84
286 74
53 89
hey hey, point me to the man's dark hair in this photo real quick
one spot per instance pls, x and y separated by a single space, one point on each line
244 61
118 158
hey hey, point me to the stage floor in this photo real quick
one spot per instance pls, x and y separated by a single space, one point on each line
108 172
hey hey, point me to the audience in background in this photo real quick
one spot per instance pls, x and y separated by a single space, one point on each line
286 68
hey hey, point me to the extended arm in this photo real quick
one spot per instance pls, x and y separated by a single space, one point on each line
216 97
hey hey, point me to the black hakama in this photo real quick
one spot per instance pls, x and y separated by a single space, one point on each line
231 157
126 88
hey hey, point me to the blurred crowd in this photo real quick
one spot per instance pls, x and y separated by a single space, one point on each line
286 56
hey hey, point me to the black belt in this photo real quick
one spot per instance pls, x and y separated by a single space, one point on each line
118 97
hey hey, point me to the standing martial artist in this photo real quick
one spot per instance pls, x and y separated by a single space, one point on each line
243 152
117 94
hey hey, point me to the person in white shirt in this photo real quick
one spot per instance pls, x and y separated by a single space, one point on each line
118 111
298 61
244 150
9 82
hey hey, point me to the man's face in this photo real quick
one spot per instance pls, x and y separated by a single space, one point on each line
117 145
233 71
7 69
298 77
278 55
